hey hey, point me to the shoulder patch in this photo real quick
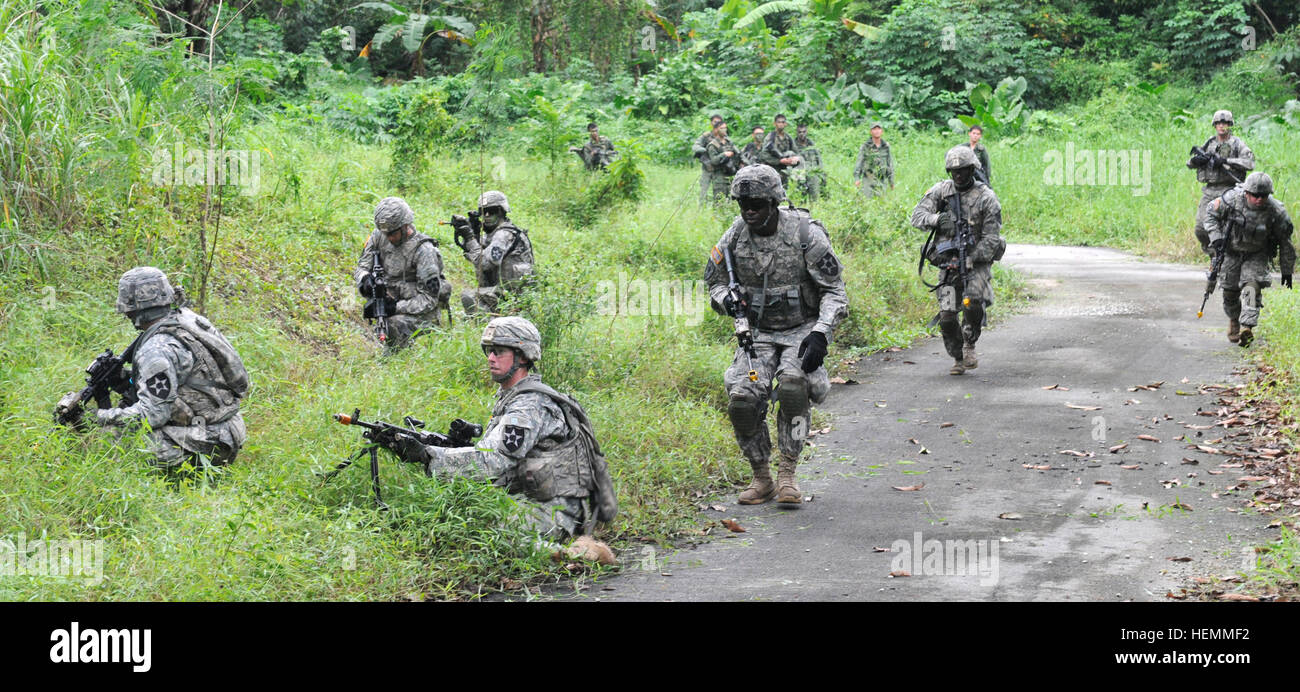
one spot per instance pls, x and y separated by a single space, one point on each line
159 385
715 255
512 438
828 265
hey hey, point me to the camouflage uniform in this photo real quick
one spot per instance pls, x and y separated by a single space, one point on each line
1252 237
530 446
1217 181
413 269
598 154
875 168
985 174
504 259
809 172
794 286
188 378
749 155
718 167
777 146
981 209
700 150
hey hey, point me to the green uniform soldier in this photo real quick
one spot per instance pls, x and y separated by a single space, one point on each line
984 174
598 152
1225 159
721 161
700 150
778 150
539 443
790 288
875 166
809 172
749 155
413 271
937 212
1250 228
188 379
503 258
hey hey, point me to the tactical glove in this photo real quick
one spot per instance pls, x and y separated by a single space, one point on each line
812 351
410 449
367 286
735 305
1216 162
1217 245
945 223
1286 280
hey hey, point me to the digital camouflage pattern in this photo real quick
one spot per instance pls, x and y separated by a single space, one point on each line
503 261
875 168
792 291
189 380
1217 181
718 166
808 174
1253 237
414 271
776 146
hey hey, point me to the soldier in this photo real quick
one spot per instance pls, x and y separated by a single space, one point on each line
749 155
875 164
412 269
790 288
598 152
503 260
700 150
539 444
980 210
812 178
188 378
984 174
1249 229
720 161
1214 167
778 149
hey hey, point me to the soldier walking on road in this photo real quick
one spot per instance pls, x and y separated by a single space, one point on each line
789 285
1250 228
964 219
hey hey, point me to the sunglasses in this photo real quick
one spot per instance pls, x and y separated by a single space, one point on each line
752 203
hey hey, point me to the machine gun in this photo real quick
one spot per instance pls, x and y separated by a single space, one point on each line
460 433
105 375
1201 158
738 312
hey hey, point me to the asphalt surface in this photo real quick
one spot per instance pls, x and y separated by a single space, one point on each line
1104 322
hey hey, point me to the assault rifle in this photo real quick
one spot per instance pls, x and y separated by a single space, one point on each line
1212 277
105 375
475 226
1201 158
738 312
379 305
460 433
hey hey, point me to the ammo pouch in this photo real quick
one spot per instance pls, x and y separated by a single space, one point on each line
778 307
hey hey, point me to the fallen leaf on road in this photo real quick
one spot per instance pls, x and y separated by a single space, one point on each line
1083 408
1270 452
1233 465
1134 402
1116 448
1132 467
1253 478
1209 450
1057 387
1147 387
946 425
1182 506
1101 483
1187 460
1179 559
878 549
1010 515
1074 452
1200 427
733 525
1149 438
900 573
1201 580
1176 596
1171 483
841 380
1238 597
1045 467
913 440
909 487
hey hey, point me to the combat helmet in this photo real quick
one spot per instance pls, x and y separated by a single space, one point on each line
493 198
393 213
1258 184
1221 117
757 180
960 156
143 288
514 332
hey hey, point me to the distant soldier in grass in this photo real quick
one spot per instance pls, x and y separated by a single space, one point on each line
790 287
412 271
721 159
1250 227
984 174
875 166
539 444
964 217
778 150
811 176
502 254
700 150
188 380
1224 161
749 155
598 151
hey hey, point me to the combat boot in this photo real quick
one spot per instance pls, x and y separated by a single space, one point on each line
1234 330
761 490
1246 337
958 368
788 492
968 359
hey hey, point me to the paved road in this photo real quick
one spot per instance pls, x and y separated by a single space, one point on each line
1106 322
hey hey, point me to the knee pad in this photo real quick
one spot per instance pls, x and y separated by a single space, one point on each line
746 414
947 318
1250 294
793 395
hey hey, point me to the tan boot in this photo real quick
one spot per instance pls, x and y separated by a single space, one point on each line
1234 331
788 492
1246 337
958 368
761 490
968 359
